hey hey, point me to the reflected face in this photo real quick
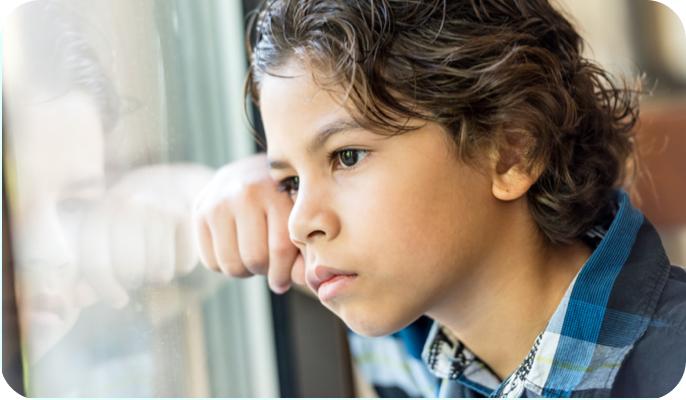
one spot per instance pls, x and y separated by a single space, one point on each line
402 217
57 149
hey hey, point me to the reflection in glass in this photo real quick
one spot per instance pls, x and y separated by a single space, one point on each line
110 300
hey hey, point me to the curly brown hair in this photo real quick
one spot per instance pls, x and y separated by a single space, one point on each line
498 74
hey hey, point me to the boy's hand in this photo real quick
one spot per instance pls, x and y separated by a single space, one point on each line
241 225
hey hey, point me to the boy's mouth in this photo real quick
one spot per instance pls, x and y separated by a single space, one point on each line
334 286
326 276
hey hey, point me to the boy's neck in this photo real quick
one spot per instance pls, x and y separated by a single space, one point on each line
499 311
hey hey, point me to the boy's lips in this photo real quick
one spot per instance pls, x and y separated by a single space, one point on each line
323 274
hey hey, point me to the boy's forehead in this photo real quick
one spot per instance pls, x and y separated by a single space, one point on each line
295 82
298 112
295 107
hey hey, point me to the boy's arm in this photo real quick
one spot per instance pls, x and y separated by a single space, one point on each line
240 224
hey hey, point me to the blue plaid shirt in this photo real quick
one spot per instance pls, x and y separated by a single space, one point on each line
619 331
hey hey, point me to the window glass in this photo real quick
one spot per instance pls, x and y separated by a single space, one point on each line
116 113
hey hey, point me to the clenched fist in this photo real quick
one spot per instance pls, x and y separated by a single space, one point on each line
241 225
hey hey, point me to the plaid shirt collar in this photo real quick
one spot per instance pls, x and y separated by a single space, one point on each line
604 311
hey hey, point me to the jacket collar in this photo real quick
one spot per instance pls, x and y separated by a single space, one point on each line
604 311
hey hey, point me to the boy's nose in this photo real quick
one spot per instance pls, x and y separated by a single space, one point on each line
312 217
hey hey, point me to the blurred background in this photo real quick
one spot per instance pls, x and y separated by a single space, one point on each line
646 38
115 114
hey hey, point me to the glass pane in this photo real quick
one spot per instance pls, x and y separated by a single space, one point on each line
116 113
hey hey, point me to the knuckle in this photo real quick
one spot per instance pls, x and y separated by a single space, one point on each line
258 265
250 193
238 271
233 268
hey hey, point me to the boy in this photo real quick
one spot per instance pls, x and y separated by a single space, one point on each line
457 160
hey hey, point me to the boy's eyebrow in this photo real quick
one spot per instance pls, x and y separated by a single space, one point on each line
330 129
327 131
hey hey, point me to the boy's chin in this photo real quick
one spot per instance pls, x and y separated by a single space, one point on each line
369 331
374 327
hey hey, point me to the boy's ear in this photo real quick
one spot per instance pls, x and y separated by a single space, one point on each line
511 177
512 184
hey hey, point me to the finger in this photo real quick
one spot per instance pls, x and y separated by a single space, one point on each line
204 243
127 240
159 240
282 252
95 259
251 227
298 271
224 241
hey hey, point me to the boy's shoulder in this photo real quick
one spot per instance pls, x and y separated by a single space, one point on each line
663 344
671 309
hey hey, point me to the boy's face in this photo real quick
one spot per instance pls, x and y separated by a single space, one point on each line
404 215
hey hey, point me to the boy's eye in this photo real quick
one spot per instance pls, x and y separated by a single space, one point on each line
290 186
347 158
